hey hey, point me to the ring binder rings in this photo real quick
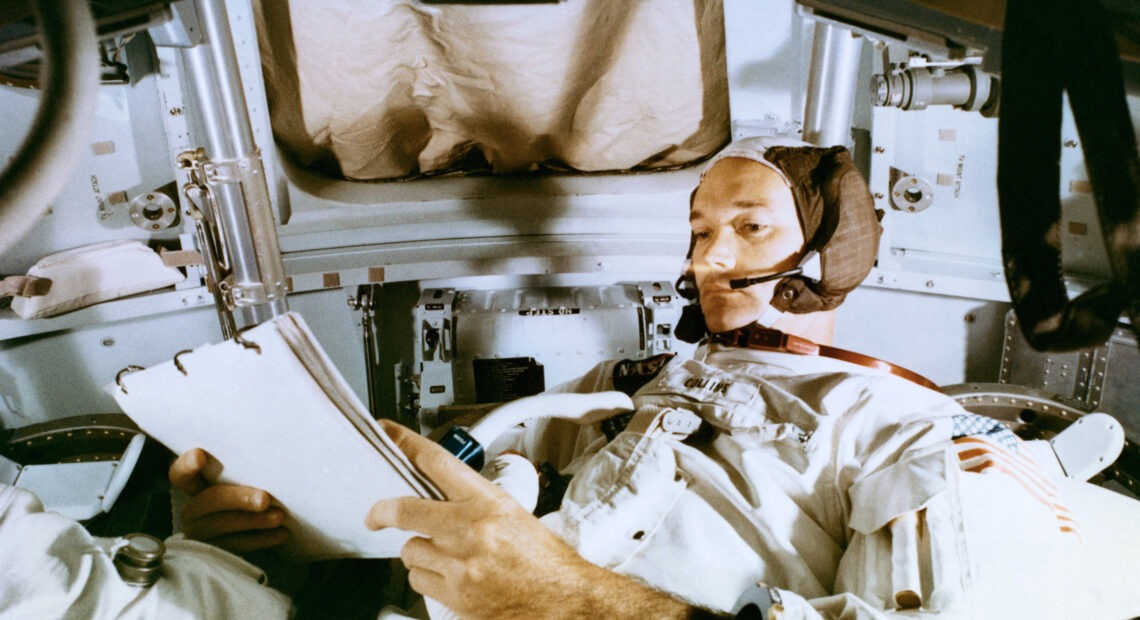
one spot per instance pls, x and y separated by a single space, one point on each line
178 363
240 339
284 420
126 370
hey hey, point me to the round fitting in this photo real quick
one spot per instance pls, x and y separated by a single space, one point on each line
153 211
911 194
139 560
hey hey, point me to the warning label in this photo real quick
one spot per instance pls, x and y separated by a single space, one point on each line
500 380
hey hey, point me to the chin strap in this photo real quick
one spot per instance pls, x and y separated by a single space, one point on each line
761 338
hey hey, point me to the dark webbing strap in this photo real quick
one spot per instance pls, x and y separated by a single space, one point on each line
1051 47
765 339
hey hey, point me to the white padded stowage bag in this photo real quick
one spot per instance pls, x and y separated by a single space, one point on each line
95 273
382 89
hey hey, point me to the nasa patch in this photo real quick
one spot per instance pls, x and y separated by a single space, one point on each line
630 375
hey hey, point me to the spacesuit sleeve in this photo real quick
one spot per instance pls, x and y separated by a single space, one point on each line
53 568
946 524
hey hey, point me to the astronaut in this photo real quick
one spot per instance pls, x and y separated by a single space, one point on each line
772 474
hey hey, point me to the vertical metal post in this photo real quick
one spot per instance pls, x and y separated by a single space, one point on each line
366 302
233 172
832 84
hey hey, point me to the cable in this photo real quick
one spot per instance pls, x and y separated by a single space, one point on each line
468 444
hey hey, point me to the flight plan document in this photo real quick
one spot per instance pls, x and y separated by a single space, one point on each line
273 411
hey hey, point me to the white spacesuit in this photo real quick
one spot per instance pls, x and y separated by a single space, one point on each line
839 486
51 567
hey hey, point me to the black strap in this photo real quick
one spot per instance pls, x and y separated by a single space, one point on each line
1050 47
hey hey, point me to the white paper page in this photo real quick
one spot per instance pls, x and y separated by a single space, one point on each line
272 426
313 357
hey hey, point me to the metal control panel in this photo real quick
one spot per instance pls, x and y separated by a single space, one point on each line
489 346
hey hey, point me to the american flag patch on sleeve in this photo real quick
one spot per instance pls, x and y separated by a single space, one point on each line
981 455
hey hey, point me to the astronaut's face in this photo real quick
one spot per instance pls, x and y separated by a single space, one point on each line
745 224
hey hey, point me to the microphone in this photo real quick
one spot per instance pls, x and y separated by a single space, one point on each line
809 266
736 283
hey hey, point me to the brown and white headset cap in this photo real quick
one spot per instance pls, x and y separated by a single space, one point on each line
837 216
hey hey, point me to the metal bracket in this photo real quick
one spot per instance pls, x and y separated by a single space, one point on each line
208 177
365 301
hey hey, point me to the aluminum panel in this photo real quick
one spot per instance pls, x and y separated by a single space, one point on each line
479 346
1102 378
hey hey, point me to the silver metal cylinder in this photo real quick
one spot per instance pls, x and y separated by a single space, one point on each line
244 213
139 559
217 83
832 84
966 88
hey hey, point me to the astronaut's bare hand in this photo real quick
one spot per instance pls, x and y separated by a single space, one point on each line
482 555
233 517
